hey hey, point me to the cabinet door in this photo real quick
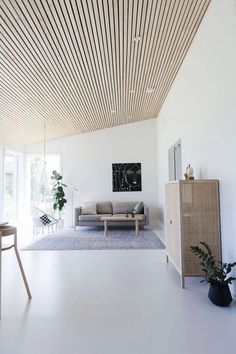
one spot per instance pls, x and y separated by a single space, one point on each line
200 222
172 224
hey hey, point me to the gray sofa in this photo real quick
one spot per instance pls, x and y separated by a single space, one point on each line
90 213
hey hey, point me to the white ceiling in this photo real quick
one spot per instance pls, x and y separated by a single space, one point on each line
82 65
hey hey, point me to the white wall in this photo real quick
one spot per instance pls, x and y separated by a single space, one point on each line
201 110
1 180
87 163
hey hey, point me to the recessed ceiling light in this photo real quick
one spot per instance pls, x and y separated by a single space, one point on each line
112 111
132 91
150 90
137 38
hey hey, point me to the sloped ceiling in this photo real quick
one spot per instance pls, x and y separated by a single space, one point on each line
82 65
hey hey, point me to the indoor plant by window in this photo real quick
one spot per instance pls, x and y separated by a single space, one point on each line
216 273
58 195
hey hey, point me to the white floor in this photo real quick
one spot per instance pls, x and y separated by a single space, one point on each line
108 302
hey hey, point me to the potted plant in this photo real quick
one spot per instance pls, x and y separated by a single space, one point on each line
217 274
58 195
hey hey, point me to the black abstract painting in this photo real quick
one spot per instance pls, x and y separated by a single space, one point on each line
126 177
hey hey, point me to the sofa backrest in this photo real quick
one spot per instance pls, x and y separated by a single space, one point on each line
123 207
108 207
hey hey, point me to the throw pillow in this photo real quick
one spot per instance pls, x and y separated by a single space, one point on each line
89 209
104 208
123 207
45 219
138 209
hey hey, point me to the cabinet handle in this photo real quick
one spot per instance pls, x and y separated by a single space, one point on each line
170 221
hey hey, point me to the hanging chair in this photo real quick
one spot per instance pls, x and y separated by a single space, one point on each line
42 211
43 222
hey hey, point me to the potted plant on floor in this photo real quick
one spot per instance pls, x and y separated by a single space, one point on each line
217 274
59 200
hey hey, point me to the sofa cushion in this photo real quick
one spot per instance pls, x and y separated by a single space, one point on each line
104 208
138 209
89 209
123 207
92 217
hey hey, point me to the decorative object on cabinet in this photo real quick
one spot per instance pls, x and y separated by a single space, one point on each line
216 273
189 173
192 215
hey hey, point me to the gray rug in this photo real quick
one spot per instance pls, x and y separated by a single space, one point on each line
95 240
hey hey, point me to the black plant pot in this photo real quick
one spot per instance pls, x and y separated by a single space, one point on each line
220 296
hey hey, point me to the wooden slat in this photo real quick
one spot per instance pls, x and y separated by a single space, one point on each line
70 63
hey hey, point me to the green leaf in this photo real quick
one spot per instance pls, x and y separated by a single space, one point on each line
216 271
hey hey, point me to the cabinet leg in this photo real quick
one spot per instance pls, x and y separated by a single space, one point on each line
182 282
167 258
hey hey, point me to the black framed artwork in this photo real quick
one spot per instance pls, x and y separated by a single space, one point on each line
127 177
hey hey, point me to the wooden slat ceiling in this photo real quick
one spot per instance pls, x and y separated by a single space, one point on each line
82 65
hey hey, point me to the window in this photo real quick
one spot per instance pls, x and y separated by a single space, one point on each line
10 186
35 164
175 161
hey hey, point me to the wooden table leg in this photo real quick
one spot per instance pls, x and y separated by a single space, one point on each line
136 227
105 228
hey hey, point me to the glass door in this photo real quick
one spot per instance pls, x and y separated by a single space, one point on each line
35 163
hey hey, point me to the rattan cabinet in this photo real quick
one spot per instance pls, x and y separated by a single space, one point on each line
192 215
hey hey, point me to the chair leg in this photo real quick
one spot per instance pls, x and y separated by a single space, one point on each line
21 267
22 273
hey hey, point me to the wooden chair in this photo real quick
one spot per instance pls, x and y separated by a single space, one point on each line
7 230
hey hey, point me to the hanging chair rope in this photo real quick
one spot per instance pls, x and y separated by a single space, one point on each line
42 210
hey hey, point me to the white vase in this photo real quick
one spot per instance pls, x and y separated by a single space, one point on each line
189 171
